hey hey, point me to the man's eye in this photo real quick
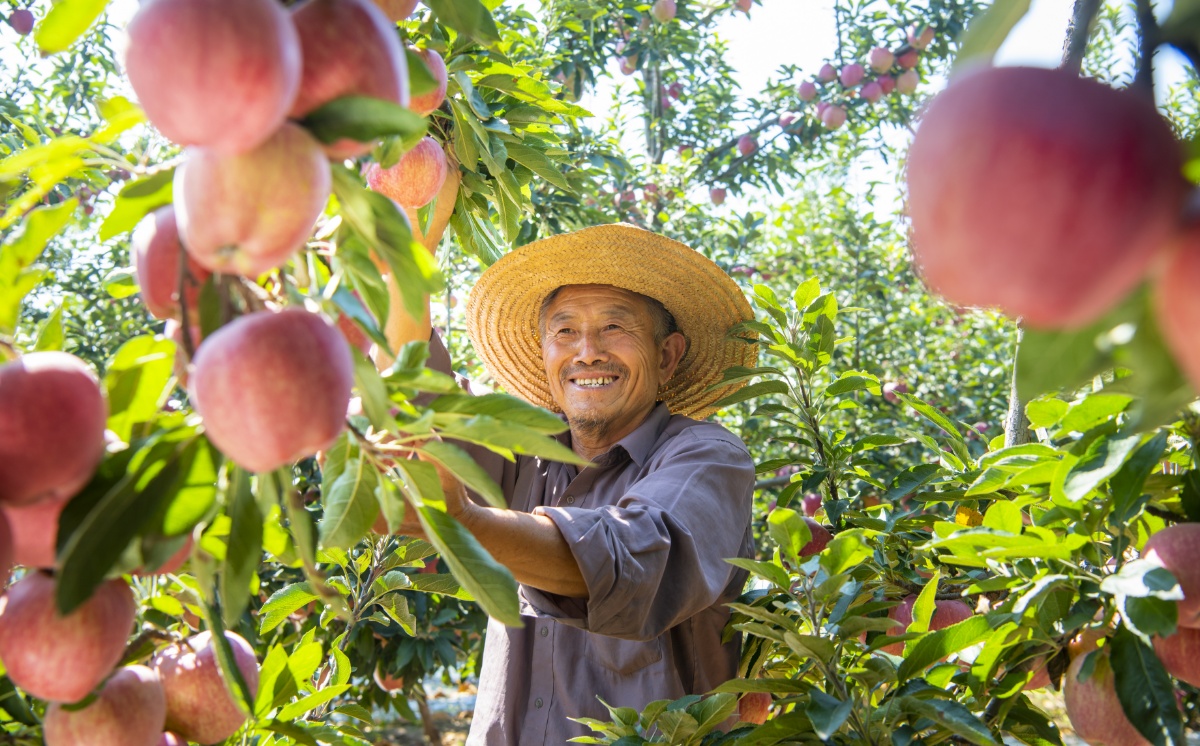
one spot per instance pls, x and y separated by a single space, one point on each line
612 327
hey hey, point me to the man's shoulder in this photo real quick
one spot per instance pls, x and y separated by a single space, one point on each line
681 430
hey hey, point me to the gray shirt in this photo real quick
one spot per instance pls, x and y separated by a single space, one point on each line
650 526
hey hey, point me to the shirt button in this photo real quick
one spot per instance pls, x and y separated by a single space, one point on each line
538 703
545 631
570 501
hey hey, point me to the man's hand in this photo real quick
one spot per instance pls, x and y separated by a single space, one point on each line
529 545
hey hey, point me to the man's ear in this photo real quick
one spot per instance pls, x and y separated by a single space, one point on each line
671 350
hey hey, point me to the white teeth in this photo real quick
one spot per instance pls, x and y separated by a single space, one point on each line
594 381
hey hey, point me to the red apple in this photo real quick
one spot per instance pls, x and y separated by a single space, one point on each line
851 75
200 706
833 117
754 707
1180 654
52 417
248 214
1177 306
35 532
746 145
871 91
887 84
217 73
881 59
62 658
663 10
717 195
744 5
909 59
129 711
820 538
21 21
386 681
827 73
350 48
906 82
273 387
157 252
397 10
920 37
811 503
806 91
945 613
1177 548
1093 707
415 179
1041 193
428 102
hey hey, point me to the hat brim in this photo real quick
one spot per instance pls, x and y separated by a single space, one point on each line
503 308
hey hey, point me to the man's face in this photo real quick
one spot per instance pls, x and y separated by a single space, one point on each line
602 362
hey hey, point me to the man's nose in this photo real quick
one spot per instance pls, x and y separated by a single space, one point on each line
590 349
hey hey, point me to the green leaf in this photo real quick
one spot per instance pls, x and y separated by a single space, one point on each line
1126 485
420 79
50 335
539 163
754 390
66 22
467 17
136 383
350 505
987 32
18 275
362 119
1146 692
952 716
1003 516
936 646
1101 460
1091 411
505 437
1142 578
90 544
1045 412
136 200
925 605
311 702
231 673
789 531
910 479
853 382
807 292
282 604
502 407
244 547
931 414
466 469
846 550
765 570
826 713
490 583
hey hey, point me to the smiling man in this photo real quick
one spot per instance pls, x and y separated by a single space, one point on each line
621 564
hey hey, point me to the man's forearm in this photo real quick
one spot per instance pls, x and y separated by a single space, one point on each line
529 545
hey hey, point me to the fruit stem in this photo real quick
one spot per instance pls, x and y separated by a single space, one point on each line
1080 27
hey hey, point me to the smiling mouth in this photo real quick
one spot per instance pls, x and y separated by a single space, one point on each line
596 382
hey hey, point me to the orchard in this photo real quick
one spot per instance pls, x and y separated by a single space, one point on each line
973 417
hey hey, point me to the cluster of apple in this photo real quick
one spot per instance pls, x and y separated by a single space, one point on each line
886 72
52 438
1052 197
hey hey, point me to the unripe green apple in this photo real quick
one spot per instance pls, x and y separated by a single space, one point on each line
129 711
62 658
216 73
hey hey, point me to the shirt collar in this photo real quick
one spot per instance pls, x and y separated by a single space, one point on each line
640 443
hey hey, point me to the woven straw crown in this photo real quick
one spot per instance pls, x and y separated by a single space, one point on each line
502 312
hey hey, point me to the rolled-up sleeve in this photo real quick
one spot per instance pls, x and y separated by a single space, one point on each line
657 555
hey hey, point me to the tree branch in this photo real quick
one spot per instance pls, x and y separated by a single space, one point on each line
1078 30
1148 40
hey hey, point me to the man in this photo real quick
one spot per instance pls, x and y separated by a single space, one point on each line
621 564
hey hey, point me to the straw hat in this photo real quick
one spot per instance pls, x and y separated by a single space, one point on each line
502 312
